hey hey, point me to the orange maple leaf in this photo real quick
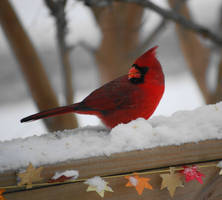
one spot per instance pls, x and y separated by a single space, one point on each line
1 194
139 183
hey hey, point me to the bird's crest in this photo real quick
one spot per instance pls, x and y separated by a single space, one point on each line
147 58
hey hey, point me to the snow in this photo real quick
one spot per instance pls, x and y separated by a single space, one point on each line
97 182
68 173
220 164
133 181
182 127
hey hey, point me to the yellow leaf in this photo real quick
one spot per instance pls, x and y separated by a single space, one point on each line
97 187
171 181
30 176
101 193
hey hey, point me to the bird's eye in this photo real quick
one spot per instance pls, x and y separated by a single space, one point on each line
134 73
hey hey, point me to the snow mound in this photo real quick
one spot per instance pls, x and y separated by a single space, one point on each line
182 127
68 173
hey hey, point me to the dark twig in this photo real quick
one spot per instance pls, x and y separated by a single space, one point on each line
57 9
220 20
87 47
174 16
156 32
170 15
152 37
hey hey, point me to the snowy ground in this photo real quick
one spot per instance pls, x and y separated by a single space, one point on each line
182 127
181 91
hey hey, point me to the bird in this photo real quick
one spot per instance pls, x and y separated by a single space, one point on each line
131 96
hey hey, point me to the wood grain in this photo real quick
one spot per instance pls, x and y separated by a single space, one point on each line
140 160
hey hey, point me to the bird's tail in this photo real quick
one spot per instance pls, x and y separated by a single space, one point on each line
51 112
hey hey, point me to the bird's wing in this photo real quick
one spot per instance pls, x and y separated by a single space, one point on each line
113 95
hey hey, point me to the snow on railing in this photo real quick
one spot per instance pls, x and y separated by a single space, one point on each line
203 123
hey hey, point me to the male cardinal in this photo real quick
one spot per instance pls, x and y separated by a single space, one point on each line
123 99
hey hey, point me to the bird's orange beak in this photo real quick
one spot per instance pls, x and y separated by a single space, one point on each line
134 73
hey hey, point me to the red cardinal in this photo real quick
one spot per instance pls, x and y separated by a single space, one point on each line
123 99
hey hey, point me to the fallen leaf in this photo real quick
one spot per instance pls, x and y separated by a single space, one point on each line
1 194
98 185
192 173
140 183
31 175
171 181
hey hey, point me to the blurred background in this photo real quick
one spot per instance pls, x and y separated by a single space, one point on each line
56 52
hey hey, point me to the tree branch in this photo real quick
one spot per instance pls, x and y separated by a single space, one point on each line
57 9
217 95
156 32
170 15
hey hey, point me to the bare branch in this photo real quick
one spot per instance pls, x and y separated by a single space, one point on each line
87 47
57 9
220 20
170 15
195 53
156 32
217 95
